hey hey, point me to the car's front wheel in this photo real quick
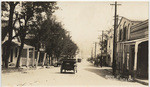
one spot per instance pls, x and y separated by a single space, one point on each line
74 71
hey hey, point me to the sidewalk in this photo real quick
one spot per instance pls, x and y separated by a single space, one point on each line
144 82
22 69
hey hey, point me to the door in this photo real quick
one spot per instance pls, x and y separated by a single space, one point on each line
142 60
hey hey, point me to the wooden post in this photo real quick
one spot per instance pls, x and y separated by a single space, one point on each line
27 57
38 55
47 62
123 57
33 59
20 64
50 60
135 60
44 59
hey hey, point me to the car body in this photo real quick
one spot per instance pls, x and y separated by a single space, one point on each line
79 60
68 64
58 63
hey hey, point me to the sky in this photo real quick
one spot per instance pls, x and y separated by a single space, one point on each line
86 19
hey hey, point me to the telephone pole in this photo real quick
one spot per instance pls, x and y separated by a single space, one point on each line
92 53
114 41
95 49
102 43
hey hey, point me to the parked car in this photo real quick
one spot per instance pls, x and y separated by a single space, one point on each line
79 60
58 63
68 64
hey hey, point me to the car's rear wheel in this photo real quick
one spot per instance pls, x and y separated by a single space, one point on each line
61 71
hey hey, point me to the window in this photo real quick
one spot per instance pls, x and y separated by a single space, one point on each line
30 49
120 34
124 33
24 53
30 54
128 31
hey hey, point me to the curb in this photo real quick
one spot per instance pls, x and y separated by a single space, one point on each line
142 82
135 80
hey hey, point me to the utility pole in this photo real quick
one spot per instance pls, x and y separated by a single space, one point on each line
92 53
102 43
114 41
95 49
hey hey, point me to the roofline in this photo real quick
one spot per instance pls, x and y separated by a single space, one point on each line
141 23
127 19
121 20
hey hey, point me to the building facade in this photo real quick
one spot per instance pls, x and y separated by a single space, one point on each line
139 49
132 36
28 52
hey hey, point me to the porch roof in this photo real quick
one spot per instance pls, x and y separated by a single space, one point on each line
134 41
25 45
16 43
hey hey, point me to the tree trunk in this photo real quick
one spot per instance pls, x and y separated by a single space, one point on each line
10 29
49 60
52 60
22 36
20 52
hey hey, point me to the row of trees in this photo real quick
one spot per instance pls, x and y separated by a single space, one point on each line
36 19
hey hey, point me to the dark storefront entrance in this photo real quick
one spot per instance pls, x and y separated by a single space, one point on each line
142 60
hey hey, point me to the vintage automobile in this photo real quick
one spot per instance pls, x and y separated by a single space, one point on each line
68 65
58 63
79 60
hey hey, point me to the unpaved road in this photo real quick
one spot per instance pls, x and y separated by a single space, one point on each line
87 75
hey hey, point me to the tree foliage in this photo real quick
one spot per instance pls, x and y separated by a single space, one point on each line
55 38
36 18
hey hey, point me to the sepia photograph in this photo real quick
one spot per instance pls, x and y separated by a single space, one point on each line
74 43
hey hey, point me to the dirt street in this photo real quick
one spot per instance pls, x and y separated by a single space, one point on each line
87 75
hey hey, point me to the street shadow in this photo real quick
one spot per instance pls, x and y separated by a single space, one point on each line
64 73
105 73
101 72
91 65
12 69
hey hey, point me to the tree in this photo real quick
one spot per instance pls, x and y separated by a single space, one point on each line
55 38
32 11
11 6
70 48
36 18
53 34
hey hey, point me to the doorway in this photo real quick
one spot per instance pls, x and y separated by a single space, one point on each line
142 61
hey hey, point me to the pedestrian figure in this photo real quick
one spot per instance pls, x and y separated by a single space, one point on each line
101 61
94 62
98 62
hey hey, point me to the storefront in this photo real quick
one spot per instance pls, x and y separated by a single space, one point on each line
135 57
28 56
135 51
